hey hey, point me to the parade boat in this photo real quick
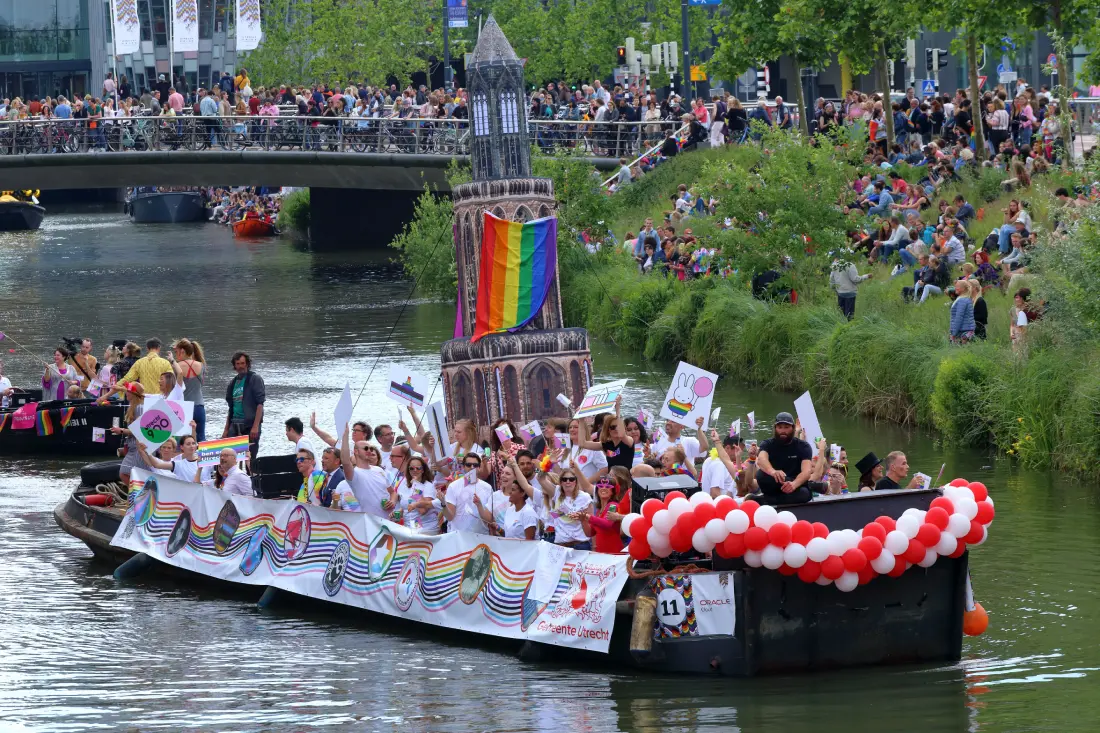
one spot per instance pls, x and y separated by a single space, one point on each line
20 211
153 206
725 610
65 427
254 228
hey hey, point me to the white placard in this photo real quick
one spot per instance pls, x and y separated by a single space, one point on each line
529 431
735 427
807 418
436 419
155 424
752 420
407 387
715 612
342 413
185 409
600 398
689 396
548 571
715 413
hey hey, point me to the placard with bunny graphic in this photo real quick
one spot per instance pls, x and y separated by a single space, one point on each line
690 395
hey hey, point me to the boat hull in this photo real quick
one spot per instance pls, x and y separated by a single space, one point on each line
253 228
75 439
16 216
170 207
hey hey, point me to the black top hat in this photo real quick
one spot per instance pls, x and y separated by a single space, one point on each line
867 463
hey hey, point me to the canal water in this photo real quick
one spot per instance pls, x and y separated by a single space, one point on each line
80 651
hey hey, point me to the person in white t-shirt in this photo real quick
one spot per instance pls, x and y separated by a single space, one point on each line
716 479
369 483
693 447
520 522
592 462
295 433
181 466
467 507
565 512
419 500
385 436
5 388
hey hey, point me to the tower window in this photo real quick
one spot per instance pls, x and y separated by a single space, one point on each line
509 116
481 116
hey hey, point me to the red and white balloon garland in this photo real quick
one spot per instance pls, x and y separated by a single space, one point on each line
777 540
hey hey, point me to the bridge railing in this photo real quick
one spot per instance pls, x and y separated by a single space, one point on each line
322 134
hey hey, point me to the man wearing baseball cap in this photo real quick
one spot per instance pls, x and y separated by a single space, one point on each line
784 465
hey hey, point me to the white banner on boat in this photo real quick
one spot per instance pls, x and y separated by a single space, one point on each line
460 580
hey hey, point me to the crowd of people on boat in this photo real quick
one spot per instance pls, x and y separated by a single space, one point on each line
232 204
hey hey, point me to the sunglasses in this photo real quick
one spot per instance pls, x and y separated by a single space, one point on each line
472 465
416 468
568 479
301 459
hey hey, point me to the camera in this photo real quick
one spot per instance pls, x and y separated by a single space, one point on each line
72 344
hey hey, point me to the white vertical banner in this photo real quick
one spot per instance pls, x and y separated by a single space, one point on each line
126 32
248 24
185 25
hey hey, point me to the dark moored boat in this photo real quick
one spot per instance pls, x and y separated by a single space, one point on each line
63 427
17 216
166 207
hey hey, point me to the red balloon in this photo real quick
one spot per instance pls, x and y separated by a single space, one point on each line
704 513
724 506
975 534
640 528
960 548
942 502
651 507
876 530
639 548
959 482
786 569
832 567
867 574
985 512
756 538
899 567
672 495
937 516
678 540
854 560
821 530
888 523
749 507
915 552
979 489
779 534
732 546
928 534
809 572
802 532
687 523
870 546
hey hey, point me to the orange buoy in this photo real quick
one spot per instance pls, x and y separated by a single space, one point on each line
975 622
99 500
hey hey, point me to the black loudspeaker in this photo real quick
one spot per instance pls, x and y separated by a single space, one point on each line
658 487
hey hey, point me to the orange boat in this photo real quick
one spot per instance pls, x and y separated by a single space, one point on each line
253 228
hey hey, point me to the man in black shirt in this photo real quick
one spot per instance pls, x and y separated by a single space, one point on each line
784 465
897 468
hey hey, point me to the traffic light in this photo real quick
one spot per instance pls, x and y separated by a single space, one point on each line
620 55
941 57
928 59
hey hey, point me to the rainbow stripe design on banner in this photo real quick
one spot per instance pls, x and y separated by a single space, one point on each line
518 265
208 450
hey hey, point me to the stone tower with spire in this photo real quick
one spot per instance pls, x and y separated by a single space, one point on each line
514 375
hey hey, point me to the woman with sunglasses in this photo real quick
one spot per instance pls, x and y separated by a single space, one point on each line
614 442
600 525
468 501
591 460
571 501
418 498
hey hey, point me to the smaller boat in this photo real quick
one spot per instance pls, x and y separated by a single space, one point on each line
152 206
20 211
254 228
65 427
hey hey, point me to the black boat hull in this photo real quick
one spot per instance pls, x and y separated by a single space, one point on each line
72 440
169 207
17 216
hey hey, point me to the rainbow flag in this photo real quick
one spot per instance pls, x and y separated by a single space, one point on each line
4 420
66 416
518 264
209 451
43 423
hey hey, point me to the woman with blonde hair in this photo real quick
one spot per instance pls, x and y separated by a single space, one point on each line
190 369
981 311
134 393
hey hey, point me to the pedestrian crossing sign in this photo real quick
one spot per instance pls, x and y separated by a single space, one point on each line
928 88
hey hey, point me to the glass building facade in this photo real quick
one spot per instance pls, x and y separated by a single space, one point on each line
45 48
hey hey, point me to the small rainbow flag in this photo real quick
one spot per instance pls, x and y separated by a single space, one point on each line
43 423
518 265
208 451
4 420
66 416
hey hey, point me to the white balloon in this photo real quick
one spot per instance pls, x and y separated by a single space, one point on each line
969 507
985 536
817 549
847 582
654 537
787 518
909 526
771 557
752 558
663 521
627 521
737 521
896 542
766 516
662 551
837 542
700 542
955 493
884 563
947 544
958 525
678 506
910 512
851 539
716 530
929 558
989 499
700 497
822 580
794 555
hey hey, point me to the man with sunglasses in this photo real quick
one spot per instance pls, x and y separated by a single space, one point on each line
313 490
369 483
468 504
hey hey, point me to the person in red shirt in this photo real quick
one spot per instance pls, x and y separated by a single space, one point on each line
254 104
35 107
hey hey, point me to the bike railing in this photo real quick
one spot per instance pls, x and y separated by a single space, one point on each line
320 134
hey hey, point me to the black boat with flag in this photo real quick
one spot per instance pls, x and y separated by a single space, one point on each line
66 427
20 211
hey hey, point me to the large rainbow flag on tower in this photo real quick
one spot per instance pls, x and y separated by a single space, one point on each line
518 263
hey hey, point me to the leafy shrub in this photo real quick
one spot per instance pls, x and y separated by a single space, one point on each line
294 212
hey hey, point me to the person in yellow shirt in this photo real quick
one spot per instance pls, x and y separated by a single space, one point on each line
147 369
242 80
